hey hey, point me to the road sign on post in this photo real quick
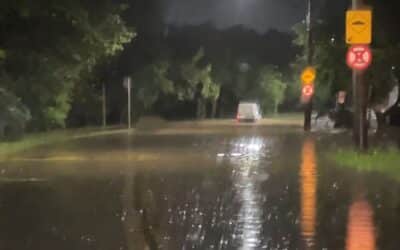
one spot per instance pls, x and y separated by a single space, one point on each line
307 93
341 97
359 26
308 75
359 57
308 90
308 107
127 84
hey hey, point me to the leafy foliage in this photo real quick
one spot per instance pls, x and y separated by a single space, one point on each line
375 161
195 76
2 54
328 57
151 82
330 50
272 89
51 45
198 83
13 115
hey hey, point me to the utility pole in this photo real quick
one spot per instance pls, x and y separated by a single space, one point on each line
360 102
309 105
104 105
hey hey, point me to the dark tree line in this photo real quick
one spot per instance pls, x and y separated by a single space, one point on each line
49 49
55 57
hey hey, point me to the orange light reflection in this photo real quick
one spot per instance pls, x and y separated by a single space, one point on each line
308 181
360 228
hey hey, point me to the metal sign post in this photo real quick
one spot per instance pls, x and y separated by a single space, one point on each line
359 57
128 86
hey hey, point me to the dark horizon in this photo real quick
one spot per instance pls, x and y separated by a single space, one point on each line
257 15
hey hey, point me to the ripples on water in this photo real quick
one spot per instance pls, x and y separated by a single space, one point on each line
238 207
234 220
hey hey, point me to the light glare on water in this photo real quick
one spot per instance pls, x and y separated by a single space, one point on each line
247 168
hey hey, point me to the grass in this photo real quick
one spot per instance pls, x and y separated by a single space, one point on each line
30 141
382 161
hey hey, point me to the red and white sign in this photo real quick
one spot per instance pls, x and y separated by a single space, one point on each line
308 90
359 57
306 93
341 97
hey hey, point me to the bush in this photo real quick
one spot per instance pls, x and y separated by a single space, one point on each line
13 116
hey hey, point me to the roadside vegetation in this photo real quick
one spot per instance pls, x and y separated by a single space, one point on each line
30 141
384 161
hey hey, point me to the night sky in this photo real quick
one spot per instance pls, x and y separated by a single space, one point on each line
259 15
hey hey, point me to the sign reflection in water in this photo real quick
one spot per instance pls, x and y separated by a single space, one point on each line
308 183
360 227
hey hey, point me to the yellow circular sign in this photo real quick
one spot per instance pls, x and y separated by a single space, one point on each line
308 76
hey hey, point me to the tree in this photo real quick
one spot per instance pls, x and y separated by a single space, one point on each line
332 73
198 83
271 89
13 115
2 54
214 93
151 82
330 49
51 45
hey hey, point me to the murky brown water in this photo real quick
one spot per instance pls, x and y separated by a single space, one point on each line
220 188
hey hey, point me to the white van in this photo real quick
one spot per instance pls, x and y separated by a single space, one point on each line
248 112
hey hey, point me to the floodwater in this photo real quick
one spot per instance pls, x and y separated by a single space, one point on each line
217 187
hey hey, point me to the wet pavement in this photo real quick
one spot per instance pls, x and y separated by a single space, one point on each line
217 187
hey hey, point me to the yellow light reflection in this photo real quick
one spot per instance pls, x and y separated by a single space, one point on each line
308 181
360 227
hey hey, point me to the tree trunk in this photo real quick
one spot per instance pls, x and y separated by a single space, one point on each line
201 109
198 109
214 106
104 106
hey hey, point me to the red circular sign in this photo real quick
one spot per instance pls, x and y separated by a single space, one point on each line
308 90
359 57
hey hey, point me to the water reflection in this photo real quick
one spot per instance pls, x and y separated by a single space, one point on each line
360 227
248 174
308 181
129 217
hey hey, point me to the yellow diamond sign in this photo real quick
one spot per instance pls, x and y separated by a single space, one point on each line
308 76
359 26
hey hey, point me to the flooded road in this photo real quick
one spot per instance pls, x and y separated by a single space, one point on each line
216 187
